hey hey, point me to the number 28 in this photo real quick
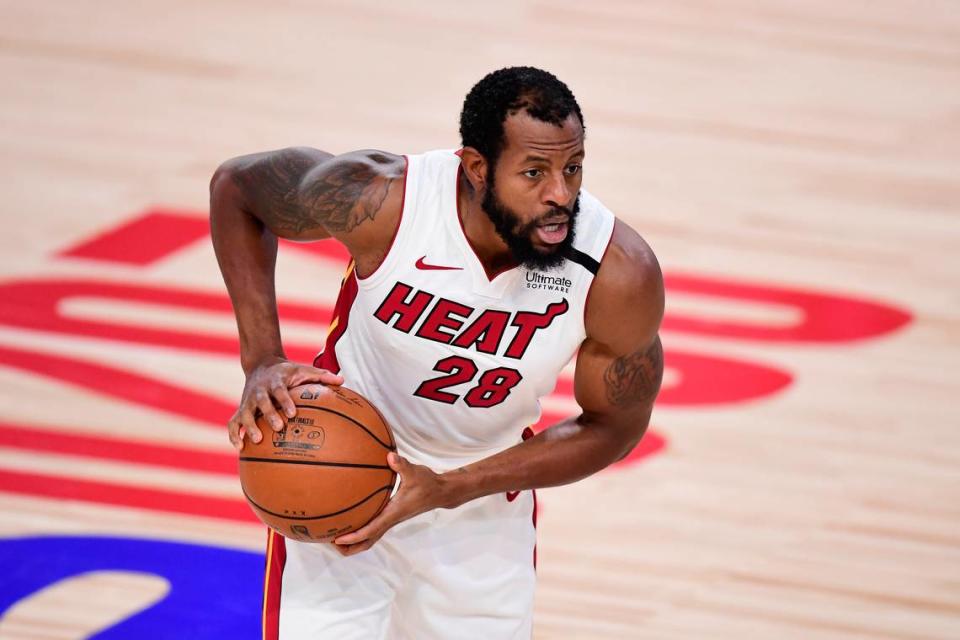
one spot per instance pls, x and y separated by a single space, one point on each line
492 388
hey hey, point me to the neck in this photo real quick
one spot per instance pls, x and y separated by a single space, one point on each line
490 248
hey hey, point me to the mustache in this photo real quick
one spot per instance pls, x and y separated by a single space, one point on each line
565 211
559 210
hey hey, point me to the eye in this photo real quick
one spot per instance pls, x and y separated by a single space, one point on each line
533 173
574 169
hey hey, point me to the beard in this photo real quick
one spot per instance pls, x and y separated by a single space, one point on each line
518 235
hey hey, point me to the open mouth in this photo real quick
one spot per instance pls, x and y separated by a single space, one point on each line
553 233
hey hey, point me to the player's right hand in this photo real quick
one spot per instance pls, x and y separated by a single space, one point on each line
266 390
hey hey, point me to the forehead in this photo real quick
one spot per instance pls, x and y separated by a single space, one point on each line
525 135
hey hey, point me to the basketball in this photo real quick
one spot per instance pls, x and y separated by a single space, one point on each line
325 473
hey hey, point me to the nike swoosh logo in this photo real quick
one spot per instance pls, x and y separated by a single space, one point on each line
423 266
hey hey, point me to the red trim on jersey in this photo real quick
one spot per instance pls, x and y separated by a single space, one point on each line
534 529
490 276
526 435
586 303
327 359
273 584
403 202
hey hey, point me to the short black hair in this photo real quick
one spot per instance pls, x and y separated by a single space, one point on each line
507 91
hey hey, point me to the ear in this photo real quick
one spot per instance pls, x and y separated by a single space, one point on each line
474 168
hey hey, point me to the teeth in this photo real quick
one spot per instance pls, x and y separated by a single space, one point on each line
551 227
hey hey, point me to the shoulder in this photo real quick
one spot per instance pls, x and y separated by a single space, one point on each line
358 196
377 160
627 296
354 169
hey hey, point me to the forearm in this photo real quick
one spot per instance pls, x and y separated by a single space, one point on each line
566 452
246 252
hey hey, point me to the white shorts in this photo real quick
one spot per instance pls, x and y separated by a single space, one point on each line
465 573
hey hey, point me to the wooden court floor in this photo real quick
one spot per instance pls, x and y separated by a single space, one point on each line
795 166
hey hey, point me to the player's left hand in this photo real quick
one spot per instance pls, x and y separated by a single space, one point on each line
420 491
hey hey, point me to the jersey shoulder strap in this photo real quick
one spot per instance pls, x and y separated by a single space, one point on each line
592 234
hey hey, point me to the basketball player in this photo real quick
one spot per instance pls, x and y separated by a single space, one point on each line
476 276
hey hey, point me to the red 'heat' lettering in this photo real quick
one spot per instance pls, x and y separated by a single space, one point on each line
485 333
529 323
398 303
443 316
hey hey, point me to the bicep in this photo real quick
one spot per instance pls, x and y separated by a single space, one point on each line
619 386
620 365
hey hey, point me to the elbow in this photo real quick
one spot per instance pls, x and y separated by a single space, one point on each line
224 188
632 439
223 177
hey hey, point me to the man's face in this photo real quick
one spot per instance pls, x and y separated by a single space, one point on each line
533 192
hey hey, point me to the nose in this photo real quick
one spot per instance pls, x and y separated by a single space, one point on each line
556 192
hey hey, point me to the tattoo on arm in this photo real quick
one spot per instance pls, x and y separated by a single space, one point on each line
338 199
635 378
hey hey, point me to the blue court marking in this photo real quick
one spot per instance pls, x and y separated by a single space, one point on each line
215 593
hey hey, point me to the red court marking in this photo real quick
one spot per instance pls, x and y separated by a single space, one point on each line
329 250
709 380
122 385
152 236
715 380
159 232
36 304
65 488
826 317
649 445
62 441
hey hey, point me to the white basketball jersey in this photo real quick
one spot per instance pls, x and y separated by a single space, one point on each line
457 362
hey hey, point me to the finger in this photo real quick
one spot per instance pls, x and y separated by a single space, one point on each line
354 537
353 550
373 529
282 396
365 532
233 432
265 404
248 425
312 374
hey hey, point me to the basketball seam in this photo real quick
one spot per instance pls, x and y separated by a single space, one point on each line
321 463
393 443
345 416
325 515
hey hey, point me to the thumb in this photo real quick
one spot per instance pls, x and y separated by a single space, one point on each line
397 463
